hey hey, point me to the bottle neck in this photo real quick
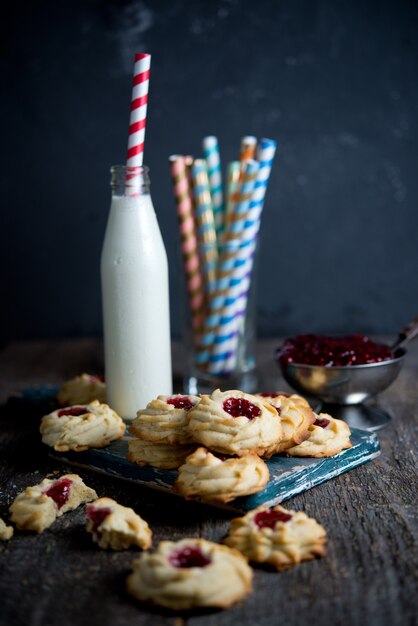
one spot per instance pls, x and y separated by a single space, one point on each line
129 181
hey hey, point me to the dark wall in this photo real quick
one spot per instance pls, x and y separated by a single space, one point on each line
334 82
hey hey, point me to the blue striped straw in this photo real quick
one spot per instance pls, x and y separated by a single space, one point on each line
265 155
237 303
213 160
205 224
227 261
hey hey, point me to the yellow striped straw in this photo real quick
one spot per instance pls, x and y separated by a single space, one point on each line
248 146
232 182
205 223
247 153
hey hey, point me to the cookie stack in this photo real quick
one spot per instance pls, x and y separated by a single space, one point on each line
218 441
161 435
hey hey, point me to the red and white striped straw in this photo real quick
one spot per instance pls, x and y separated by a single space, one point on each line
138 117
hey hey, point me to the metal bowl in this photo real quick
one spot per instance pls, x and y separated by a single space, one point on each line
347 384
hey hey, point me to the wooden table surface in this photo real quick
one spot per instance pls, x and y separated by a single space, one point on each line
61 578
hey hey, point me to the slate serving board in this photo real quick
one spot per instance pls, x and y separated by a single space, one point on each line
288 476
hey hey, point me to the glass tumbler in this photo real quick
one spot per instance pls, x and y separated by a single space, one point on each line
219 346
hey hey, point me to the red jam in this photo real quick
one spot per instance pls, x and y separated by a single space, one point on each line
97 516
268 519
332 351
59 492
323 423
74 411
238 407
181 402
188 557
100 379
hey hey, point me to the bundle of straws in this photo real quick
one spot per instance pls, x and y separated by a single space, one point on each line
218 240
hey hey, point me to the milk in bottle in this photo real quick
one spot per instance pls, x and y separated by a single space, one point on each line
135 297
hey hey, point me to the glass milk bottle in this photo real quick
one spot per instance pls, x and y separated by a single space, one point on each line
135 296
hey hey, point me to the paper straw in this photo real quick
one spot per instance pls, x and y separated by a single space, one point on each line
248 145
265 155
213 160
247 152
224 352
241 280
232 185
205 223
226 264
240 214
138 116
188 159
189 245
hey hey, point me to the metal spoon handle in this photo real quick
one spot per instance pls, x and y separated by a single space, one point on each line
407 334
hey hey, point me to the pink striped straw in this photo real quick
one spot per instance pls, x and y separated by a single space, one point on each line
138 117
189 244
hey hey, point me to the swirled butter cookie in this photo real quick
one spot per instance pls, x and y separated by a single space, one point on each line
234 422
190 573
81 427
165 420
160 455
82 390
117 527
296 416
37 507
277 537
327 437
220 479
6 532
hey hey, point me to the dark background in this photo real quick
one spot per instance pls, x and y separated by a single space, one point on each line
334 82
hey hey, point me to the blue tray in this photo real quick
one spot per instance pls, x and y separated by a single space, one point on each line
288 475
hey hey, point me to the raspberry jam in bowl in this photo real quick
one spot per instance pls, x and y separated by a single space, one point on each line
333 351
338 370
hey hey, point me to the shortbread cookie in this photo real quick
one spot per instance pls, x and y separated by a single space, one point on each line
160 455
5 531
328 436
117 527
277 537
165 420
296 416
220 479
81 427
234 422
82 390
190 573
37 507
